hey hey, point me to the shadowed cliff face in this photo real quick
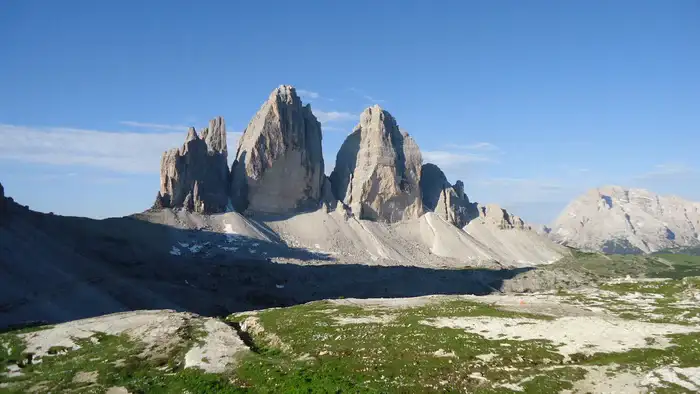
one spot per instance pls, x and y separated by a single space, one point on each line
59 268
195 176
448 201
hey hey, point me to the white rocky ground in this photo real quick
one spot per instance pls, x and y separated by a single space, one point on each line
578 327
429 241
563 341
217 348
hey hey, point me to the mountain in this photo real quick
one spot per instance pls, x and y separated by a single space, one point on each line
615 219
446 200
377 170
271 231
195 176
279 162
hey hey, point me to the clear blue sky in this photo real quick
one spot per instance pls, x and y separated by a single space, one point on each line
528 102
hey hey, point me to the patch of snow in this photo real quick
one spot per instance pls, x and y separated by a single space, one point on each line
175 251
196 248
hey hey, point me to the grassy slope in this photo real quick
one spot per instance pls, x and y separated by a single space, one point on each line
400 355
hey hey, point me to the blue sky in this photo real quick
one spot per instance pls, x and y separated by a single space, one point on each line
530 103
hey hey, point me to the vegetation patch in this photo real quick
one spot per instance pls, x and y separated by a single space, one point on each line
113 360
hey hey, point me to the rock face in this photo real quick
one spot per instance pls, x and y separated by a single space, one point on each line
614 219
3 203
378 169
494 215
448 201
279 162
195 176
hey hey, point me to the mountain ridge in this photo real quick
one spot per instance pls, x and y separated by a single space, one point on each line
617 219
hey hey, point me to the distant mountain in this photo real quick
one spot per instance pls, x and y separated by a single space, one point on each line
614 219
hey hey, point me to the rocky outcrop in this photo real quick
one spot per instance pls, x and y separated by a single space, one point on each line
614 219
542 229
494 215
195 176
377 170
279 162
448 201
3 203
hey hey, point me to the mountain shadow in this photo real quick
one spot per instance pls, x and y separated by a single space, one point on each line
55 269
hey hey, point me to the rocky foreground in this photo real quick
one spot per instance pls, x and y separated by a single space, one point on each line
623 336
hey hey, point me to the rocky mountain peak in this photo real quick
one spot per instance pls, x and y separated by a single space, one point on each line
494 215
195 176
617 219
215 136
279 161
191 135
285 94
448 201
378 169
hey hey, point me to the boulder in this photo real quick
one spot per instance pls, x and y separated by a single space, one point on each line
447 201
195 176
378 169
279 161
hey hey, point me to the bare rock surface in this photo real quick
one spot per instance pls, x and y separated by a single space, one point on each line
3 204
378 169
160 331
195 176
615 219
279 162
494 215
448 201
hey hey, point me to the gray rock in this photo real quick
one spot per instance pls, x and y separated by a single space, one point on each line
195 176
378 169
327 199
3 203
279 161
494 215
448 201
615 219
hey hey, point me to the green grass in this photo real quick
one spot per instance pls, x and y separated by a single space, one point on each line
684 266
684 352
395 356
117 361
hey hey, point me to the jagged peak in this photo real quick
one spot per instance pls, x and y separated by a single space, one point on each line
191 135
286 94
